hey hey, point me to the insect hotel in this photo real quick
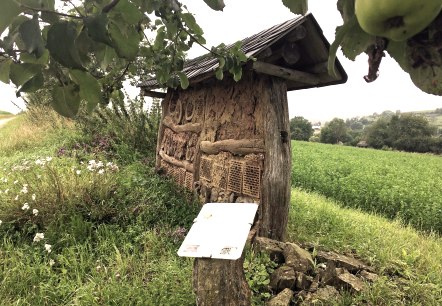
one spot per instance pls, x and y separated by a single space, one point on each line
230 141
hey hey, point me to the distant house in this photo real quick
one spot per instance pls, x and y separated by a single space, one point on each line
316 128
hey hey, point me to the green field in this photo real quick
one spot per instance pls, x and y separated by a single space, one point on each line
395 184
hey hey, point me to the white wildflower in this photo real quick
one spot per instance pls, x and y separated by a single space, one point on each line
78 172
48 159
24 189
15 182
6 191
101 171
35 212
39 236
1 222
25 206
4 180
51 262
16 198
33 197
39 162
48 247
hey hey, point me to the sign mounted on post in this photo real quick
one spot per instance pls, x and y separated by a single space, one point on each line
220 231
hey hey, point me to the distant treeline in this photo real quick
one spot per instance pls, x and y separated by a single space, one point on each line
411 132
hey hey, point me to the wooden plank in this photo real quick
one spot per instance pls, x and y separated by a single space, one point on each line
187 127
286 73
179 163
152 93
234 146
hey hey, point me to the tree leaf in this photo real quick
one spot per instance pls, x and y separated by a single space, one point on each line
33 84
61 45
39 4
341 32
5 68
217 5
184 81
219 74
22 73
356 41
125 39
31 59
105 57
297 6
97 28
9 9
190 21
90 89
30 34
66 100
129 12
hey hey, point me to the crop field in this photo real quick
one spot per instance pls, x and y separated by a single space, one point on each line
399 185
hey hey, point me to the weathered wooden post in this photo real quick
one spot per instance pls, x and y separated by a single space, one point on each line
230 141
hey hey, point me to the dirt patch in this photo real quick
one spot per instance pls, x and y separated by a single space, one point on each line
6 120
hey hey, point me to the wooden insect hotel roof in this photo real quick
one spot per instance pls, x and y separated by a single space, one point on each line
295 50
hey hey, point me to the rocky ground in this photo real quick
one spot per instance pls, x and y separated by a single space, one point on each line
300 280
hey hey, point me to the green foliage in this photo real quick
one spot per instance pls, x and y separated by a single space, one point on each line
91 47
395 184
408 262
124 131
108 232
257 269
406 132
297 6
334 132
300 129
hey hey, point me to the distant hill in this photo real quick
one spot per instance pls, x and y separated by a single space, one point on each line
4 113
433 116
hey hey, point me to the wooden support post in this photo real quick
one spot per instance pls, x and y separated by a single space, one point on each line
275 195
220 282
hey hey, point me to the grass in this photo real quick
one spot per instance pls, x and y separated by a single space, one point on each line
111 230
407 186
409 262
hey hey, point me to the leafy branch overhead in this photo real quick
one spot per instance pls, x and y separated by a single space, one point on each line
86 49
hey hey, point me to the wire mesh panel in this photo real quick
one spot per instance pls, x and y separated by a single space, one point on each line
206 168
178 175
252 180
220 176
188 181
235 176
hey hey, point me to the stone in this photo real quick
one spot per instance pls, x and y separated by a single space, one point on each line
272 247
348 281
328 276
282 278
303 282
298 258
353 265
323 295
282 299
368 276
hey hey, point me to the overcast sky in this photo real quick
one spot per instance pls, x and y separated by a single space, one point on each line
242 18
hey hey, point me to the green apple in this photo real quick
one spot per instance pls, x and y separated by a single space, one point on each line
397 20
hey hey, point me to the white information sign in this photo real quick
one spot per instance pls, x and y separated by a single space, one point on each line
220 231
